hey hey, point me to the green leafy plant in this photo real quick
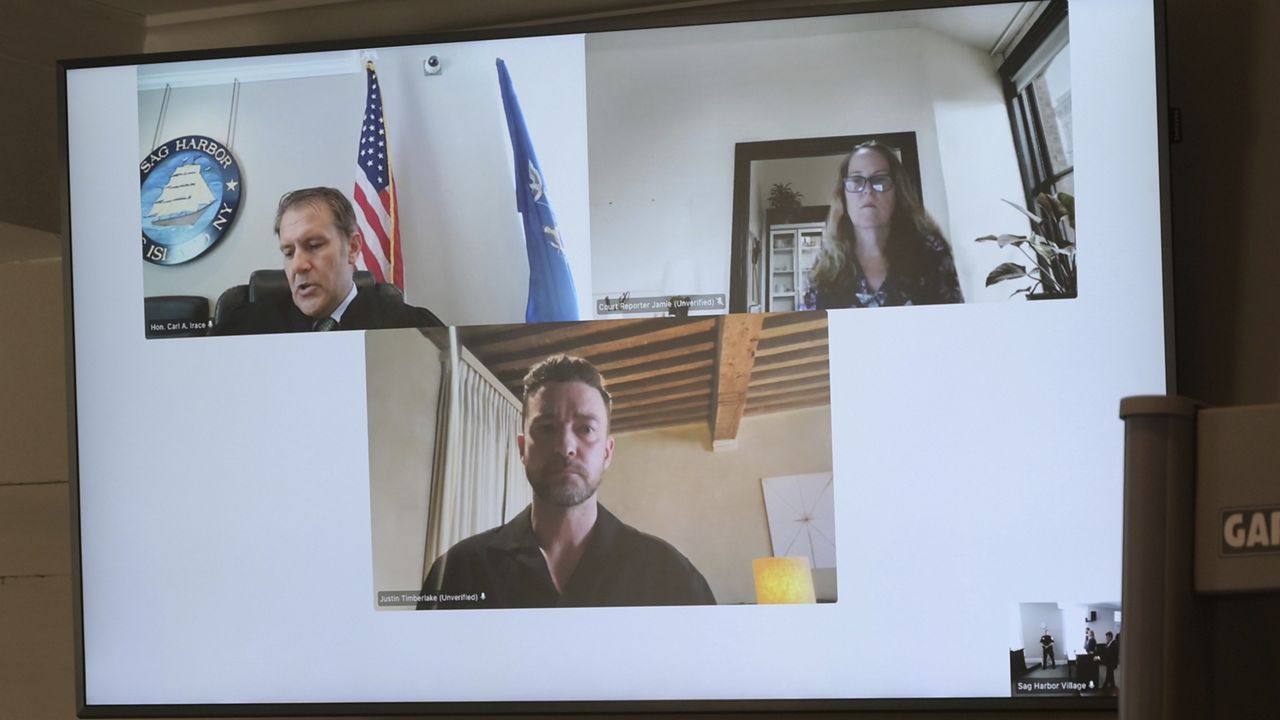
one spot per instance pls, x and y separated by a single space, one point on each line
1050 248
784 199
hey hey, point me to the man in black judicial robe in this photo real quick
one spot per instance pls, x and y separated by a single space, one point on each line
320 241
565 549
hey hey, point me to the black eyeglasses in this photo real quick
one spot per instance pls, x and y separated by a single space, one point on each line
859 183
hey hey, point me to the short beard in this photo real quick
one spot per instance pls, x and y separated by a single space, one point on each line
564 495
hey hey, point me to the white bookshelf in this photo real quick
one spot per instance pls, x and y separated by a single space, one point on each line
793 249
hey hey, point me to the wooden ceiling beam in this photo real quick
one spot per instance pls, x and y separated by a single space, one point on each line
692 349
689 390
663 414
778 374
637 351
627 411
793 324
793 403
688 415
737 338
669 366
659 382
789 341
792 357
790 317
627 337
522 339
790 387
807 343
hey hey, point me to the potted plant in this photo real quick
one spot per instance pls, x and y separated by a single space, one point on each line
785 201
1050 248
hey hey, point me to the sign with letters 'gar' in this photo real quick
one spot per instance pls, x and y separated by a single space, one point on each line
1238 499
190 195
1250 531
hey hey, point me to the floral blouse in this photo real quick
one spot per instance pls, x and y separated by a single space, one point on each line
937 284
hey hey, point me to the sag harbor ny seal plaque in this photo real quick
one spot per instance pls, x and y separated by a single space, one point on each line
190 195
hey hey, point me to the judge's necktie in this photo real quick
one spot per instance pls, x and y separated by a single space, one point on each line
325 324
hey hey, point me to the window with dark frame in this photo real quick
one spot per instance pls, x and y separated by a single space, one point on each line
1037 82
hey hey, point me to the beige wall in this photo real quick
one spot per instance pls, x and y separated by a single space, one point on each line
404 377
1222 63
35 535
708 504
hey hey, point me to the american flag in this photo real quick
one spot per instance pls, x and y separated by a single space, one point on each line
375 192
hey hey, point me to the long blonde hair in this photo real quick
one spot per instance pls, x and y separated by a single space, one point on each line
910 225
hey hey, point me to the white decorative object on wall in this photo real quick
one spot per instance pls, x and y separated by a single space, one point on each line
801 514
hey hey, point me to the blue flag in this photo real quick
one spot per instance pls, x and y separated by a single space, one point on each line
552 295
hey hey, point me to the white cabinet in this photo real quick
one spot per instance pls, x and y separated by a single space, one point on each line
793 249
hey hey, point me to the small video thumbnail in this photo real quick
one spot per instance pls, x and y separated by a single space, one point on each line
1065 649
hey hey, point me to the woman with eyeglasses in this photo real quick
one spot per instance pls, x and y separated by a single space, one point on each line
880 248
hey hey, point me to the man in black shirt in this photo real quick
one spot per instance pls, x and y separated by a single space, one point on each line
320 241
1046 646
565 549
1110 654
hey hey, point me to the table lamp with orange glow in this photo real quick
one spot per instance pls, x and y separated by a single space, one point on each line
783 580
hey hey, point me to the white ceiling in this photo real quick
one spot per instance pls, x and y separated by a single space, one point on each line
981 26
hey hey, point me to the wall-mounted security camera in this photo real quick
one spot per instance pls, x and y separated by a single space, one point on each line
432 65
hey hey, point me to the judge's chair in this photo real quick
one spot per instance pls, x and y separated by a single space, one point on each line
176 315
271 286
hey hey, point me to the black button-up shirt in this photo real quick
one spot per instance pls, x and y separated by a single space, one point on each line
620 566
